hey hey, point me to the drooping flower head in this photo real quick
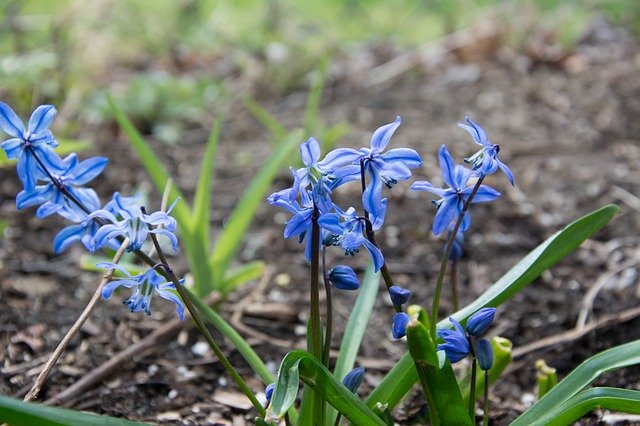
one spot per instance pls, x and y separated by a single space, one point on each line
144 287
452 200
399 325
485 161
399 295
133 223
457 342
353 379
343 277
36 137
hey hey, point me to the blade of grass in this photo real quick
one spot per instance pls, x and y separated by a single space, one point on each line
231 237
17 413
152 164
614 399
245 273
277 130
612 359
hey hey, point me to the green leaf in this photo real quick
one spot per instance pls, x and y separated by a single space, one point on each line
231 237
612 359
356 327
243 274
20 413
277 130
202 198
403 375
315 97
300 365
152 164
614 399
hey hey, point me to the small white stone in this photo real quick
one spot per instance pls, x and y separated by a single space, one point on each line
200 348
172 394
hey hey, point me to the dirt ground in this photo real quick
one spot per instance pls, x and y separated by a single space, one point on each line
568 125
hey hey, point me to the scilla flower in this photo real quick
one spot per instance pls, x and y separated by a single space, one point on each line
144 286
36 136
457 342
399 325
485 161
343 278
452 199
484 353
353 379
399 295
133 224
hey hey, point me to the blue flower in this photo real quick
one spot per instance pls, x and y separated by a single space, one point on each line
399 295
301 223
353 379
134 224
480 321
349 234
399 325
485 161
456 345
484 353
322 176
36 136
458 341
387 168
268 391
453 198
144 286
70 175
343 278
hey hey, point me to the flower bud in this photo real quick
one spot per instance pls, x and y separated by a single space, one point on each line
484 354
343 278
353 379
480 321
399 295
268 392
399 325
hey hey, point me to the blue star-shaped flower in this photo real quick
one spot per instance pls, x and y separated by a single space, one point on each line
37 136
70 175
144 285
485 161
453 198
133 224
387 168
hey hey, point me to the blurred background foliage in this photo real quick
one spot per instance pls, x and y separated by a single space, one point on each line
169 62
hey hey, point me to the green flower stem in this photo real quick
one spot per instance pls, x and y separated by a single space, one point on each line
203 329
329 319
454 284
445 258
314 314
472 389
485 408
371 236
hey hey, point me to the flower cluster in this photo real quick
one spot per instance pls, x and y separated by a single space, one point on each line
309 198
56 185
462 342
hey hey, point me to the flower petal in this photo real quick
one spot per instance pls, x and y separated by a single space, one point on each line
10 122
12 147
87 170
41 118
476 131
406 156
168 295
310 151
447 167
382 135
337 158
66 237
445 214
423 185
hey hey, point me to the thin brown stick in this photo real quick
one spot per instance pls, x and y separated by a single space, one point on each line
138 349
37 385
576 333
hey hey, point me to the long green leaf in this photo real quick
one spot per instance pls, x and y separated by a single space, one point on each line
582 376
202 198
300 365
277 130
355 329
403 375
614 399
231 237
20 413
152 164
243 274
